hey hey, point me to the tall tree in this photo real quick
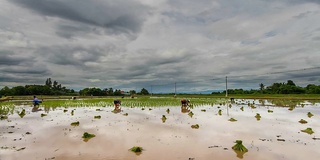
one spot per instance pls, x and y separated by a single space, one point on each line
49 82
55 84
261 85
144 91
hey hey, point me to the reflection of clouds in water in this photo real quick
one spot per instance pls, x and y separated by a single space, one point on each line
144 127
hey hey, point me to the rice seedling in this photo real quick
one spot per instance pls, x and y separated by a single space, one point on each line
136 149
291 108
75 123
270 111
168 110
164 118
42 114
195 126
241 109
3 117
6 108
302 121
310 114
191 114
126 114
220 112
22 113
258 116
232 120
72 112
86 136
308 130
239 148
203 110
97 117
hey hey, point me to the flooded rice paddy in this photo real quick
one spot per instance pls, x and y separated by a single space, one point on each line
163 132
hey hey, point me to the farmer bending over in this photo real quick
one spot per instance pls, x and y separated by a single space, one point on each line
184 106
184 102
117 104
36 101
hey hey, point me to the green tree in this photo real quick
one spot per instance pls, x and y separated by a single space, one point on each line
110 92
132 92
261 85
144 91
19 90
55 84
48 82
117 92
6 91
290 83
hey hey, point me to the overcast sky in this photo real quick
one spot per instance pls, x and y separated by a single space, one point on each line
130 44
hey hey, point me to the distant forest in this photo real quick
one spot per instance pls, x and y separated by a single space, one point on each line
54 88
277 88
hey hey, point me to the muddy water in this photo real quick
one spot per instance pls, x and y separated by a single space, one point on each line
276 135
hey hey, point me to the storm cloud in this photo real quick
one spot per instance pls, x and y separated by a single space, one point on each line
120 15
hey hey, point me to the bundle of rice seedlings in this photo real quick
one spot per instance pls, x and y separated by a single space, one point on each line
86 136
191 114
302 121
258 117
97 117
136 149
310 114
239 147
22 113
195 126
75 123
232 120
164 118
308 130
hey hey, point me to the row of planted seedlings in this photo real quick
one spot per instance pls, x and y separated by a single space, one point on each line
108 102
6 109
129 102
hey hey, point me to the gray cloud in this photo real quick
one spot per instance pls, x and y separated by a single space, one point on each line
63 55
123 16
134 44
8 58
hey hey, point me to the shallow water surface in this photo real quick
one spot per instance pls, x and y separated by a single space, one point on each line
277 135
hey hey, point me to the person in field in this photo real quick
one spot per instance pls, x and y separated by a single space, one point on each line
184 105
185 102
36 102
117 104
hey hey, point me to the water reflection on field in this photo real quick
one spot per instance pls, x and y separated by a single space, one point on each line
48 134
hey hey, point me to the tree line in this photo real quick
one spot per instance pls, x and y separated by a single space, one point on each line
54 88
277 88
